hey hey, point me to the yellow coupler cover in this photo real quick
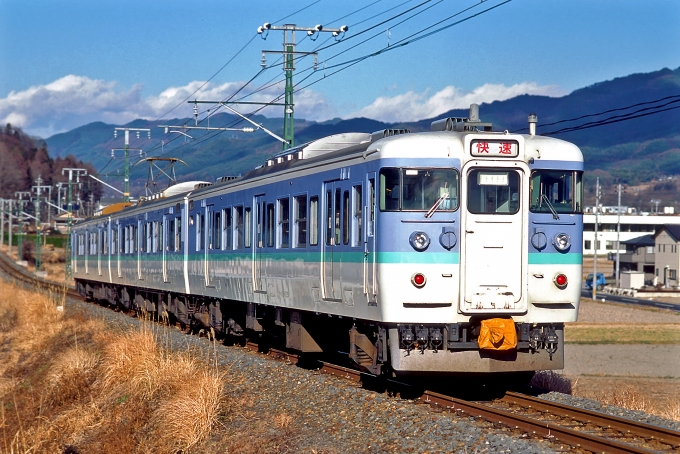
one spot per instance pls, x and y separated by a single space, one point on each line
497 334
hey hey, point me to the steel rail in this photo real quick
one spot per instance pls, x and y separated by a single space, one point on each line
533 426
648 431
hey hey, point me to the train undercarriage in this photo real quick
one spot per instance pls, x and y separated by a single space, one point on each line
378 349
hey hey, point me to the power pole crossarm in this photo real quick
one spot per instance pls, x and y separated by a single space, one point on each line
289 54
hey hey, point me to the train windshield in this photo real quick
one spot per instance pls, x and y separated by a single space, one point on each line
556 190
407 189
493 191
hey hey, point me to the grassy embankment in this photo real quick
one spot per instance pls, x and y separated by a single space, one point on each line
69 383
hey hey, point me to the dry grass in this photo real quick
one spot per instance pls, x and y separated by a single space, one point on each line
67 382
635 398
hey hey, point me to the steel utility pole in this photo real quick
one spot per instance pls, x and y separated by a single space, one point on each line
126 182
2 222
38 228
618 242
597 208
71 172
289 55
20 223
9 242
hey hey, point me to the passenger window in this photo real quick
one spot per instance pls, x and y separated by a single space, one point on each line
284 223
270 225
227 228
238 227
371 206
345 217
314 221
300 215
357 212
178 234
217 230
247 227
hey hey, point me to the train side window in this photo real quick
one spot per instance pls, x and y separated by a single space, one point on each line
300 216
389 189
105 241
178 234
357 211
371 207
247 226
313 221
217 230
200 234
135 237
337 216
149 236
284 223
114 240
345 217
171 235
238 228
156 237
226 230
270 225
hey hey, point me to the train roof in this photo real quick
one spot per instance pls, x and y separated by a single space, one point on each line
447 138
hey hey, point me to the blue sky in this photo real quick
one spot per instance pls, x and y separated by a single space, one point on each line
67 63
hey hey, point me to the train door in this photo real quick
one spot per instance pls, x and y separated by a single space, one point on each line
331 258
258 245
118 245
369 240
494 249
166 237
211 233
100 246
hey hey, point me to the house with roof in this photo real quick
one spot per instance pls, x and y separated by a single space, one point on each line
639 256
667 255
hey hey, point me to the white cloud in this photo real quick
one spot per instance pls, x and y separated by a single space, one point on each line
413 106
73 101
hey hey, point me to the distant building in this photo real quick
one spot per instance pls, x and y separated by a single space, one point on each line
632 226
667 255
639 256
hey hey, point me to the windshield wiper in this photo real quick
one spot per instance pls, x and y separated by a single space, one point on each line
552 210
434 207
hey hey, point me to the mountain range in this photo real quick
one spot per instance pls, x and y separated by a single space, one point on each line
627 128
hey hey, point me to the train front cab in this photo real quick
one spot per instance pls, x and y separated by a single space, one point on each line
519 229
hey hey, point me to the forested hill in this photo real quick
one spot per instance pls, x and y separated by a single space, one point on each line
23 159
623 126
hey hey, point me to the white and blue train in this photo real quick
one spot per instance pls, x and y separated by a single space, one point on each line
406 250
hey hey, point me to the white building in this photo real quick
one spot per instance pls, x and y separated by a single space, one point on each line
632 226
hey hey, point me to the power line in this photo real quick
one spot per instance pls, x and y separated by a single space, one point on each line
618 109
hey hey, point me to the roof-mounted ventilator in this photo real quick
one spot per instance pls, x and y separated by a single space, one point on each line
388 133
462 124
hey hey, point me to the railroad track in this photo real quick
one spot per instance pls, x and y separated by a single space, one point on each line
578 428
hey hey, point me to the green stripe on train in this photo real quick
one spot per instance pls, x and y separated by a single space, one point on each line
555 258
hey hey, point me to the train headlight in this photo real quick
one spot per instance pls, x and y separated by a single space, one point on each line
562 242
419 240
419 280
561 281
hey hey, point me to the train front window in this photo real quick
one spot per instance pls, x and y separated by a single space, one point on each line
405 189
558 190
493 191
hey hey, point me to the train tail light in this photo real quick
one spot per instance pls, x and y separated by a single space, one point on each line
418 280
561 281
